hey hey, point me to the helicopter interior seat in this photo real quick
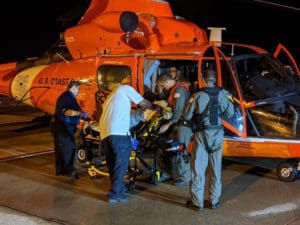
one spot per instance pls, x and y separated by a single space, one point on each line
243 78
247 85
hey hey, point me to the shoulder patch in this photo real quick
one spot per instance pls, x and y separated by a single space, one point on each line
176 95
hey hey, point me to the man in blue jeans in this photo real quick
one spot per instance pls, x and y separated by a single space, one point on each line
115 135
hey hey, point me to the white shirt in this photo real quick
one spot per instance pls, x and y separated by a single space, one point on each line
115 118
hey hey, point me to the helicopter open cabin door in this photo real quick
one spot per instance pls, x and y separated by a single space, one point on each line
214 59
285 57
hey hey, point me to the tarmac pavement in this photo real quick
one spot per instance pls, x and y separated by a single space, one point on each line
13 217
30 193
250 197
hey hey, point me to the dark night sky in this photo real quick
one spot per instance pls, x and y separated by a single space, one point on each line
30 27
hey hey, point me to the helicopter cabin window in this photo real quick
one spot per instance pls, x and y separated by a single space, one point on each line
109 76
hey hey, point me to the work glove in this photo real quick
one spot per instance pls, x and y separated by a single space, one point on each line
148 114
167 113
134 143
84 115
161 103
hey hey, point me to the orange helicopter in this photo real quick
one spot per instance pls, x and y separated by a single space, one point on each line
145 37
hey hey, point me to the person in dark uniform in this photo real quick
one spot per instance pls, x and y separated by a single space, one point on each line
178 99
66 118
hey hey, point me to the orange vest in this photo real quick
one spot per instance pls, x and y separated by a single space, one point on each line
177 85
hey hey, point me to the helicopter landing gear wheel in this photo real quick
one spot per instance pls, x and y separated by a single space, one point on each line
286 171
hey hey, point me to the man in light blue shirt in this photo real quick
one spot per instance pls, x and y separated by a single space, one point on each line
115 135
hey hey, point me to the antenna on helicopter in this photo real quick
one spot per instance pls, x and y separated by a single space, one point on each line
216 34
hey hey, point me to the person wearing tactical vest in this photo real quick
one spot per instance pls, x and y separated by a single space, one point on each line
178 99
206 109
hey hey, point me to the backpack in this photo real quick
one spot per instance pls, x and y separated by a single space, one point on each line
211 110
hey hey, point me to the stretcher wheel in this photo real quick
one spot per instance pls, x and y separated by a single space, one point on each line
82 155
286 171
93 177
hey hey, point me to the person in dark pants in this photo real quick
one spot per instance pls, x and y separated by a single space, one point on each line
115 135
66 118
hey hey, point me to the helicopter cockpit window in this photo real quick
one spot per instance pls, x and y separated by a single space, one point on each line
265 80
289 66
263 76
111 75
